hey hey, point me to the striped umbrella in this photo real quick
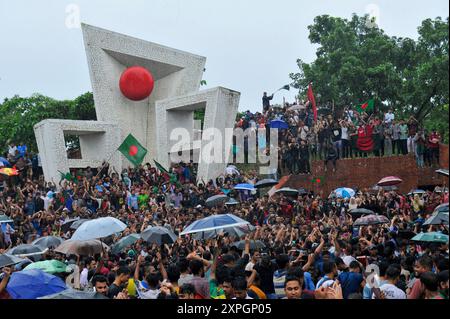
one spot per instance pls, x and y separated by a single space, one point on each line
390 181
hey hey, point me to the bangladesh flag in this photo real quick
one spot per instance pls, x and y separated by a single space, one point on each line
368 106
318 180
160 167
133 150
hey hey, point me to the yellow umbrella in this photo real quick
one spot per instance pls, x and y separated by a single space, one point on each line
9 171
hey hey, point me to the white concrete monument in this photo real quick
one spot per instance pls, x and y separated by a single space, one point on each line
169 107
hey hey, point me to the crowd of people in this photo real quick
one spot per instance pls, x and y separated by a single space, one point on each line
308 248
341 135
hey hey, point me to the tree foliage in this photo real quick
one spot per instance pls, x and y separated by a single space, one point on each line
357 61
19 115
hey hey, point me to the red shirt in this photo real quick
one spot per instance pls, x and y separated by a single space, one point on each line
432 137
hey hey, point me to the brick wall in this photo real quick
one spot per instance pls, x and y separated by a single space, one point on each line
443 157
363 173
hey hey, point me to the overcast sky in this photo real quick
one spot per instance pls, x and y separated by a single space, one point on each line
251 46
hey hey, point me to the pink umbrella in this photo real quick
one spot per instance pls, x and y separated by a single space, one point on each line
390 181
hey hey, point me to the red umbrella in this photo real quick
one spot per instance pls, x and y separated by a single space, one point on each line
390 181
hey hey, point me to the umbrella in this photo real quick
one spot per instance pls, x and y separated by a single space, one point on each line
216 200
361 211
231 202
9 171
268 182
433 237
214 222
344 192
441 189
8 260
159 235
442 208
76 224
48 266
244 187
48 242
5 219
297 107
390 181
302 191
4 161
279 124
417 191
442 172
371 220
125 242
34 283
66 225
98 228
231 169
81 247
287 191
254 244
406 234
26 250
236 231
75 294
386 188
437 218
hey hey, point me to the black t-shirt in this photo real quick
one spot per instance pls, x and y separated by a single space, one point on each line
336 134
114 290
266 277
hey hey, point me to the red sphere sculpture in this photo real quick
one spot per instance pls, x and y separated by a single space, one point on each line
136 83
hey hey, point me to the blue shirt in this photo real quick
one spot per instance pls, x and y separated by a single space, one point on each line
22 149
309 284
350 282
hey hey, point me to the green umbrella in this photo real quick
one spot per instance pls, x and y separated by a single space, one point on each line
124 243
48 266
433 237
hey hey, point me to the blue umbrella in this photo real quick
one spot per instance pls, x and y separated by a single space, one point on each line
214 222
5 161
34 283
244 187
279 124
344 192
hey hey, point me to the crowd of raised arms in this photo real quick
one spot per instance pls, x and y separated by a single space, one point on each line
308 248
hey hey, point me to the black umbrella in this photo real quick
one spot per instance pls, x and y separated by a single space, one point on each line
268 182
254 244
216 200
76 224
66 225
406 234
159 235
361 211
437 218
32 251
302 191
75 294
8 260
48 242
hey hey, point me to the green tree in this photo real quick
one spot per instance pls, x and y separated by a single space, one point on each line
357 61
19 115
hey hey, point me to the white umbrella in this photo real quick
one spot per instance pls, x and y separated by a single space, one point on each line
98 228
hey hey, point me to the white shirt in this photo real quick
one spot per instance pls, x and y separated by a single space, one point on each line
84 278
389 117
344 133
392 292
12 150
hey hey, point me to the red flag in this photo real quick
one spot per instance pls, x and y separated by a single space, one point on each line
312 100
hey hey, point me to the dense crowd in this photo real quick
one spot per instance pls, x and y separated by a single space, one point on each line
341 135
309 247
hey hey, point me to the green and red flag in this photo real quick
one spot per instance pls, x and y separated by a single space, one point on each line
318 180
160 167
368 106
133 150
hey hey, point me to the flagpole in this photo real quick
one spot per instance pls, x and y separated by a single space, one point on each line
104 163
